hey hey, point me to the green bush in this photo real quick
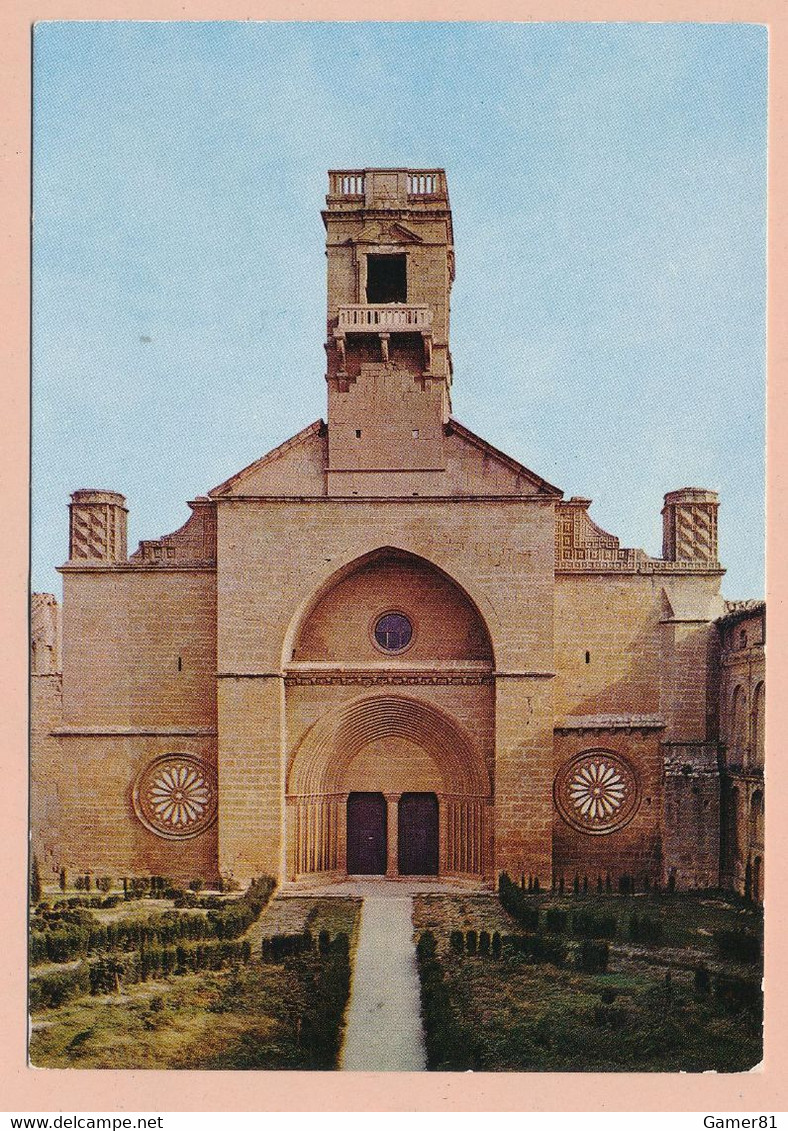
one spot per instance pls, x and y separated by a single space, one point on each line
516 902
321 1023
556 919
702 979
610 1016
448 1047
457 941
592 956
644 929
737 994
48 991
69 932
593 926
738 945
35 881
537 948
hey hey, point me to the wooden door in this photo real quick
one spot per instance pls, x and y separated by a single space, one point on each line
418 834
366 834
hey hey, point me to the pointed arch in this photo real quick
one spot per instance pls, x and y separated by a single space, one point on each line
382 554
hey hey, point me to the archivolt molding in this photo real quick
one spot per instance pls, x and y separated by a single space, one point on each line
326 751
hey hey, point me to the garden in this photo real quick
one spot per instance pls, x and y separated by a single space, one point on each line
590 981
156 976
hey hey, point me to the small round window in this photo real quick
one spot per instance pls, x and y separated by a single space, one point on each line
393 632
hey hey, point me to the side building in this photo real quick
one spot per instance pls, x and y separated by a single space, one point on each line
742 700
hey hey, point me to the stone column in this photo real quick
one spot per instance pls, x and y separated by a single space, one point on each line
392 839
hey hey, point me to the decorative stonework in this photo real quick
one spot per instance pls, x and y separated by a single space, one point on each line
97 526
175 796
385 679
596 792
689 525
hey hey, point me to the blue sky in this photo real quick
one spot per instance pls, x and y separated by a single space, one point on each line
608 189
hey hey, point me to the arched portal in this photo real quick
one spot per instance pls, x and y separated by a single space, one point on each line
398 748
389 692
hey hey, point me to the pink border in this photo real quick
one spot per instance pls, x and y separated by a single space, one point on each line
26 1089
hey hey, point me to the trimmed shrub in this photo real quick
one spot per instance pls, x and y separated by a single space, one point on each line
470 941
555 919
737 994
643 929
537 948
320 1025
610 1016
457 942
516 902
592 957
702 980
495 944
484 942
446 1040
35 882
738 945
594 926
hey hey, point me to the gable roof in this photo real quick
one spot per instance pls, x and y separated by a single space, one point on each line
454 427
315 429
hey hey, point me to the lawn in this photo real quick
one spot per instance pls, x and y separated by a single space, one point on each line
648 1012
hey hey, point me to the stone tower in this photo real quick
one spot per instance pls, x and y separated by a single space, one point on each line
390 256
97 530
689 525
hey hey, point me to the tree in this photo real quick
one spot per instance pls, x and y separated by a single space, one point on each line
35 882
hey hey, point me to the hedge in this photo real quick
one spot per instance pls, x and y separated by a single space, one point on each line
59 937
445 1038
514 900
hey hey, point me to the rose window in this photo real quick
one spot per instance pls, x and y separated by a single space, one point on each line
175 796
597 792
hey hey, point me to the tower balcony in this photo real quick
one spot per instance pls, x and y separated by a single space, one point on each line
387 188
384 319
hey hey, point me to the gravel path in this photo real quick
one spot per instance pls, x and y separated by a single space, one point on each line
383 1030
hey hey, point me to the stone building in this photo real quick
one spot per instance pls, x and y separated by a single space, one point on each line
386 647
742 732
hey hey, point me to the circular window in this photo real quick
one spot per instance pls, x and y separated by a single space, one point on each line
596 792
393 632
175 796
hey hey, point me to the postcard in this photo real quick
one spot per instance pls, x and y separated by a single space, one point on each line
397 627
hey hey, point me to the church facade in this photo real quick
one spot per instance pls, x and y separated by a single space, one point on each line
385 648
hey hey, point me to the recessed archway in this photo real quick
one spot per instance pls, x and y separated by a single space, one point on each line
391 746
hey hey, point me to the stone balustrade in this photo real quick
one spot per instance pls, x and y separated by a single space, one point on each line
421 183
377 319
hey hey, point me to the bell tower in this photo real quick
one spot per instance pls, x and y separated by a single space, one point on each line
390 254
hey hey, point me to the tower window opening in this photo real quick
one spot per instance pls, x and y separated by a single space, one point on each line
358 433
387 278
588 657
